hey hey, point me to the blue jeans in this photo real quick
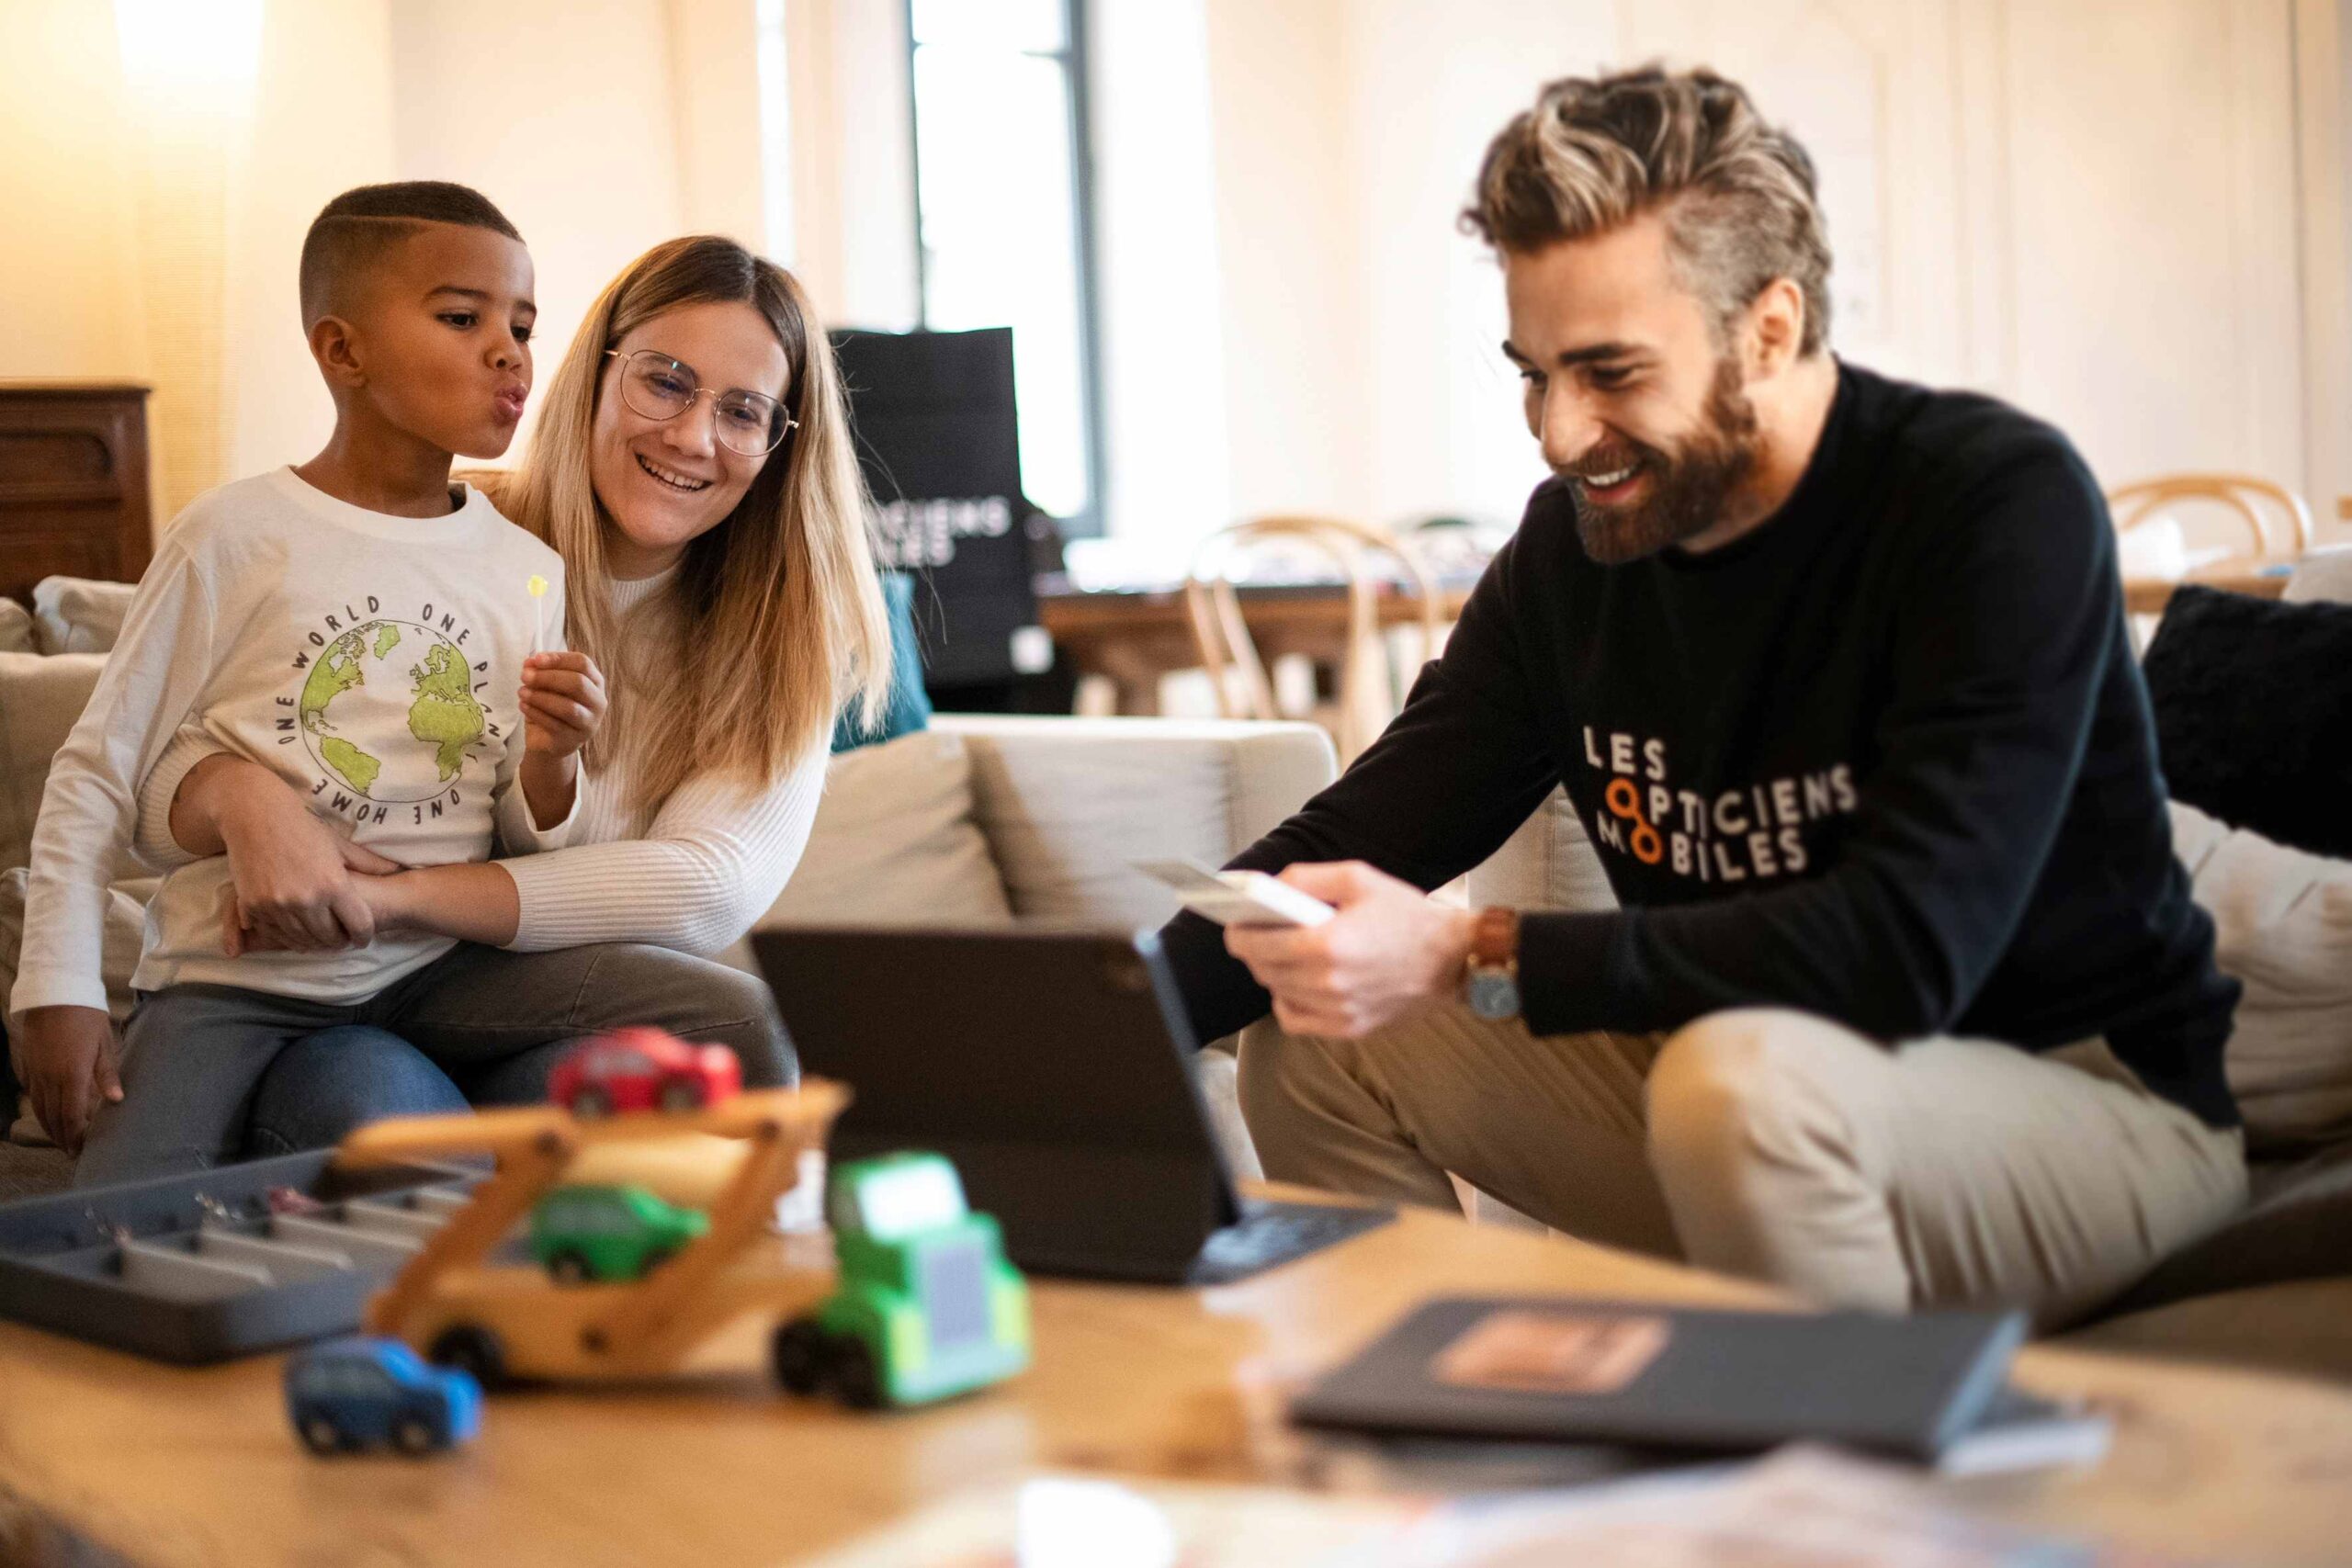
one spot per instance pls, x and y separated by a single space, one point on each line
217 1072
324 1085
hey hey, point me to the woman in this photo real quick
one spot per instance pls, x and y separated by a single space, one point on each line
691 463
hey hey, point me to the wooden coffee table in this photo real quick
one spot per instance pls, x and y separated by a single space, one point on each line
171 1466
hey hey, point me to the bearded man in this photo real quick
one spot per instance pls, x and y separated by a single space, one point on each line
1905 1002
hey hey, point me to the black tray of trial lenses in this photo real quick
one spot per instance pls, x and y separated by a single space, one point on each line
224 1263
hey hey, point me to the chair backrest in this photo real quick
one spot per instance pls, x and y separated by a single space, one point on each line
1221 634
2274 516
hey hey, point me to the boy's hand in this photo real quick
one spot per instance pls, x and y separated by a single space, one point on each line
293 926
380 894
291 871
563 701
68 1056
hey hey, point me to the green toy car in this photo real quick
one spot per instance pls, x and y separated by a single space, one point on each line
580 1234
926 1305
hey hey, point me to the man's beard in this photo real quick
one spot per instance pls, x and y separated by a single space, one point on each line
1687 487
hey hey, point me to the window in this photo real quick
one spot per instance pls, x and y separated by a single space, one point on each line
1003 226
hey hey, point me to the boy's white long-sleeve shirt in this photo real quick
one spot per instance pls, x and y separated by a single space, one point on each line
689 871
371 661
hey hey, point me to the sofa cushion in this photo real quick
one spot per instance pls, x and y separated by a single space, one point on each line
895 843
2283 928
1068 804
2254 713
909 708
2322 577
15 627
1547 865
40 700
2298 1225
2302 1327
125 928
79 614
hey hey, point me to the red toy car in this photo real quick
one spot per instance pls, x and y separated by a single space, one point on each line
643 1069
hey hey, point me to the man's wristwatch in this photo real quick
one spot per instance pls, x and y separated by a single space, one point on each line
1490 986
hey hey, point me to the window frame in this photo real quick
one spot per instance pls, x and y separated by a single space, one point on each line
1072 57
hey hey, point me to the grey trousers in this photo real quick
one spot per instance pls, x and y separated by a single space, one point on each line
196 1057
1768 1144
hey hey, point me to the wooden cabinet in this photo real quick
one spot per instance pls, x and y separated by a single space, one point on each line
74 496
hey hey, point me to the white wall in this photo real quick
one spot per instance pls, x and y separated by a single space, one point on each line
1288 258
2136 219
2324 98
872 165
1161 255
715 86
2096 209
1431 82
561 111
2153 233
601 127
70 300
278 408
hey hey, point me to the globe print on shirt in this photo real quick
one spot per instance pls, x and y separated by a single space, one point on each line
387 678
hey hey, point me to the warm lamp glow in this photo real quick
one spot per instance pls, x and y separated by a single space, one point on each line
189 69
212 44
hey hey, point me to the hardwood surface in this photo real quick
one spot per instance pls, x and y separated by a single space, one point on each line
74 494
1133 639
176 1466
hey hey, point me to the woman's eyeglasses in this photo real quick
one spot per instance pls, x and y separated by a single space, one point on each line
657 387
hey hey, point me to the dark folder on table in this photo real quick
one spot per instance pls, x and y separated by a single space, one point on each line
1636 1373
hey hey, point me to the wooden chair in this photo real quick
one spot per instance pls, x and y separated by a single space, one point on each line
2275 518
1367 693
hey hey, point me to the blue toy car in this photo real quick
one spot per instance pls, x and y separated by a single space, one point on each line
362 1393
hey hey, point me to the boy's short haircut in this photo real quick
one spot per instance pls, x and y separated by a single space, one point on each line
357 228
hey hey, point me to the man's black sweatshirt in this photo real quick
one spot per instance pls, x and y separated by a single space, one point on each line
1887 758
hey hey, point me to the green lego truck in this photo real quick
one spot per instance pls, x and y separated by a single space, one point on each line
926 1306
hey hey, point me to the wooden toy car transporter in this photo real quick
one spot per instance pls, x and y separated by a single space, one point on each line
502 1321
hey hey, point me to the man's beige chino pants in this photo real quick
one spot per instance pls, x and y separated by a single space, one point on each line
1768 1144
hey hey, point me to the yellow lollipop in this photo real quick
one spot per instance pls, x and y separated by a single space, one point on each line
538 587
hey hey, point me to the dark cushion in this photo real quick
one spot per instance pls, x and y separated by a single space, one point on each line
909 706
2254 714
2302 1327
2298 1225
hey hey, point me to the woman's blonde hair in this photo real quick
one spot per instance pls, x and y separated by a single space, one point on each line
1597 152
780 612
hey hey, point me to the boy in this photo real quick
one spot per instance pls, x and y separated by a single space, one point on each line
355 624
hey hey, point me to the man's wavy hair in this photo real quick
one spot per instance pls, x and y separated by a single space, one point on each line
1738 195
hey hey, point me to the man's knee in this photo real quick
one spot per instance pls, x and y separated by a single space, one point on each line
1287 1085
1280 1071
1265 1071
1747 1085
